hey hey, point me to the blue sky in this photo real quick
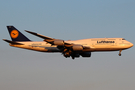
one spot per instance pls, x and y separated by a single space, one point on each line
69 20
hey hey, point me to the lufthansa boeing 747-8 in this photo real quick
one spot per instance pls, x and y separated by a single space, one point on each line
72 49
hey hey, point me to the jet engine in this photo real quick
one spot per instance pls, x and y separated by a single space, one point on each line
86 54
77 48
75 55
58 42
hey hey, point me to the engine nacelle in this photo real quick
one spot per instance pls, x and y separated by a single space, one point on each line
77 55
86 54
77 47
58 42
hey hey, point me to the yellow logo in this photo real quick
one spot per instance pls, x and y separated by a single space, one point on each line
14 33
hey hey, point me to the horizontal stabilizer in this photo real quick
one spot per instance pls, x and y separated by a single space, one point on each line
12 42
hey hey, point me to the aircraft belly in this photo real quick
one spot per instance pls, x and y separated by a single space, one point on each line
52 49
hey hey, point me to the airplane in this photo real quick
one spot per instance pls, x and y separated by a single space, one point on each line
74 49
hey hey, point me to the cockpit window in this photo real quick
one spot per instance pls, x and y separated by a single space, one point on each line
123 39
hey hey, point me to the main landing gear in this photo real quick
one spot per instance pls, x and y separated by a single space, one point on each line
120 53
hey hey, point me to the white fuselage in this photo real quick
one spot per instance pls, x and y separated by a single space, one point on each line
94 44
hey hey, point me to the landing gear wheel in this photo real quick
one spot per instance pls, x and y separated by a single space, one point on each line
120 53
73 57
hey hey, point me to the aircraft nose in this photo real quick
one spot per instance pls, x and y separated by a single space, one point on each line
131 44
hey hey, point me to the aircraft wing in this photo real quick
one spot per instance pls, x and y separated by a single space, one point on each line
57 42
39 35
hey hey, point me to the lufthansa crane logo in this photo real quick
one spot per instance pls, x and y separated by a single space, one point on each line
14 33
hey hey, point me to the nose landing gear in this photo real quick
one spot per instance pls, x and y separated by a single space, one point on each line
120 52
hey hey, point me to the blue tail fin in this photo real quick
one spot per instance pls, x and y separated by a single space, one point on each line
16 35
